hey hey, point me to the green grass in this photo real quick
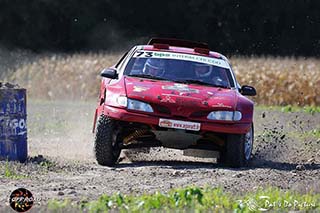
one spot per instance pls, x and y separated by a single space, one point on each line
47 164
11 174
194 199
290 108
307 109
315 133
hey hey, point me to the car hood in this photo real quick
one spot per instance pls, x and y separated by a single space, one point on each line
175 95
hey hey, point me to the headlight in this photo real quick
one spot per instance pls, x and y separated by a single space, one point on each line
139 105
115 99
225 115
122 101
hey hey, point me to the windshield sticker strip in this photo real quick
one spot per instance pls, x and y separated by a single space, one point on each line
181 56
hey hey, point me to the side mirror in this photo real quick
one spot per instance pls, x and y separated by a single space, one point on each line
248 90
109 73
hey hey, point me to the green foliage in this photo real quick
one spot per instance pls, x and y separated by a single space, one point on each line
9 173
60 206
47 164
312 109
290 108
315 133
195 199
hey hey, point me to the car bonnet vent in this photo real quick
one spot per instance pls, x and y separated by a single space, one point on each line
178 43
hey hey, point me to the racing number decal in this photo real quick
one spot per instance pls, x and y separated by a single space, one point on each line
138 54
148 54
143 54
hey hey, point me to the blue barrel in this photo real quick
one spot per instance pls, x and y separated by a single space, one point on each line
13 124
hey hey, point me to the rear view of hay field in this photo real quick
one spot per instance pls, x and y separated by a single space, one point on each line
279 81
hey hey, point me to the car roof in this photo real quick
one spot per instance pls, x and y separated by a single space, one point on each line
186 50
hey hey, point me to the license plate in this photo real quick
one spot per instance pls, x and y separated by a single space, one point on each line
175 124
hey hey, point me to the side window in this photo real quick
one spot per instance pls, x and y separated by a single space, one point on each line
124 60
121 59
232 77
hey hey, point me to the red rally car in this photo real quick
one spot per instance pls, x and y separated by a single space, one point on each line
177 94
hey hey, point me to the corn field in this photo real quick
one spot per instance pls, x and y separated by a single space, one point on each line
278 81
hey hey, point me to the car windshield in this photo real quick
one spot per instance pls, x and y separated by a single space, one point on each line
178 70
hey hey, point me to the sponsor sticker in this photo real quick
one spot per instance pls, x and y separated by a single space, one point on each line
181 56
167 99
176 124
139 89
181 88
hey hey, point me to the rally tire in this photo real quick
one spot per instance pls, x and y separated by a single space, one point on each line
234 152
105 145
237 151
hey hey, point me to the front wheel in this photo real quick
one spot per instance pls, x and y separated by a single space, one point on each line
238 149
106 145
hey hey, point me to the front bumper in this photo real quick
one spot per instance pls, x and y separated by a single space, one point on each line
124 115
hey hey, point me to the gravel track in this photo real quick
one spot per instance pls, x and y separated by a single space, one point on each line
61 163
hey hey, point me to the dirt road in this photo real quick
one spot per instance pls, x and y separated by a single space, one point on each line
286 155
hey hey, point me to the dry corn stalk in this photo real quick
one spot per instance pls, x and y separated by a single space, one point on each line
279 81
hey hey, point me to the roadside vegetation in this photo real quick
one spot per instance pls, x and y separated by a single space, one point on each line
194 199
279 81
315 133
14 170
290 108
8 171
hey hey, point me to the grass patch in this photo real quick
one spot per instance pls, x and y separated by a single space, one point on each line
47 164
197 200
315 133
290 108
308 109
10 173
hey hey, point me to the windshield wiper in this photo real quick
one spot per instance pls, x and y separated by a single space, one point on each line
147 76
192 81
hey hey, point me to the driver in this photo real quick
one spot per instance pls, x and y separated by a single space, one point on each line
202 71
205 72
155 67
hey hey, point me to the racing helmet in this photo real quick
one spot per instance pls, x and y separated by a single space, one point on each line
202 70
154 67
